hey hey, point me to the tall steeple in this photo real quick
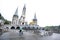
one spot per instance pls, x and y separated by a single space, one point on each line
35 16
35 19
22 18
24 10
15 18
16 12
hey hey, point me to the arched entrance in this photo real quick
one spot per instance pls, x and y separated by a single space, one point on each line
12 27
33 28
7 28
18 27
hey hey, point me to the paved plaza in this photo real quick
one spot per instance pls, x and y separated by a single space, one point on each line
14 35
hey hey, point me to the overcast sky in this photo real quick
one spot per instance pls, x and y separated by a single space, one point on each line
47 11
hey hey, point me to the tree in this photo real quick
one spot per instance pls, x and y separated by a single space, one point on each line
7 22
1 17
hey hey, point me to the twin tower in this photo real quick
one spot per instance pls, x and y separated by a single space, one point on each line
21 21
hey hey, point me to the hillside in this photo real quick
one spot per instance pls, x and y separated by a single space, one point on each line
5 20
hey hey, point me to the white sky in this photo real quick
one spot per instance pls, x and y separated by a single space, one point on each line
47 11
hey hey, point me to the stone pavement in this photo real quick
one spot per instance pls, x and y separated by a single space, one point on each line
14 35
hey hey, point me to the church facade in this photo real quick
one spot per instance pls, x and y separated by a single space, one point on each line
17 23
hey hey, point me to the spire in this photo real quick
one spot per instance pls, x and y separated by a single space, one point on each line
24 9
23 13
35 19
35 16
22 18
16 12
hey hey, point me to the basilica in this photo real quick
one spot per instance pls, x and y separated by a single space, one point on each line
19 23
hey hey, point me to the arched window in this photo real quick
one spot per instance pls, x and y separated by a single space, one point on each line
12 27
28 28
18 27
